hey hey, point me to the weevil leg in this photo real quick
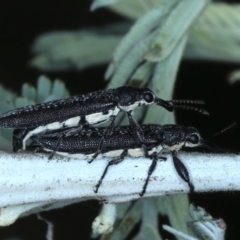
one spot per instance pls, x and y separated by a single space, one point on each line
138 132
96 153
152 167
110 163
56 148
66 133
105 134
150 171
73 130
182 170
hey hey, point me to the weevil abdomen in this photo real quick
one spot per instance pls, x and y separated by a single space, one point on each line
87 141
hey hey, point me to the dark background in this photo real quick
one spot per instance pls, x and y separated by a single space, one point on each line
22 21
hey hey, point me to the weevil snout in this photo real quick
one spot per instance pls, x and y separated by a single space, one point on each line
167 105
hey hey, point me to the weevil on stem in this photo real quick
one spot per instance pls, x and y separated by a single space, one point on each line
87 109
122 142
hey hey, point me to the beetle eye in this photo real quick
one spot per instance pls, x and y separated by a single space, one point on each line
148 97
194 139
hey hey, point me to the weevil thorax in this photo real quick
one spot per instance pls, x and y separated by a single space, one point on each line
153 133
177 136
131 97
154 136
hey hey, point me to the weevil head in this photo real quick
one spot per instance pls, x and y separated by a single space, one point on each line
132 97
193 138
177 136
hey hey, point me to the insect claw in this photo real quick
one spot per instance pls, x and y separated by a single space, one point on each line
142 193
51 155
90 160
95 189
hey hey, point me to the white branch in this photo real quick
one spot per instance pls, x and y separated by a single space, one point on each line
32 183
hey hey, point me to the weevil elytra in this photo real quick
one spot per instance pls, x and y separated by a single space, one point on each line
122 142
87 109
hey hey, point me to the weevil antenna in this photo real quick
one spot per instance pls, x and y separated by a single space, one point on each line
232 125
207 144
192 108
197 102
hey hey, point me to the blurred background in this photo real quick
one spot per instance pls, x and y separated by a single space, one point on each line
21 22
